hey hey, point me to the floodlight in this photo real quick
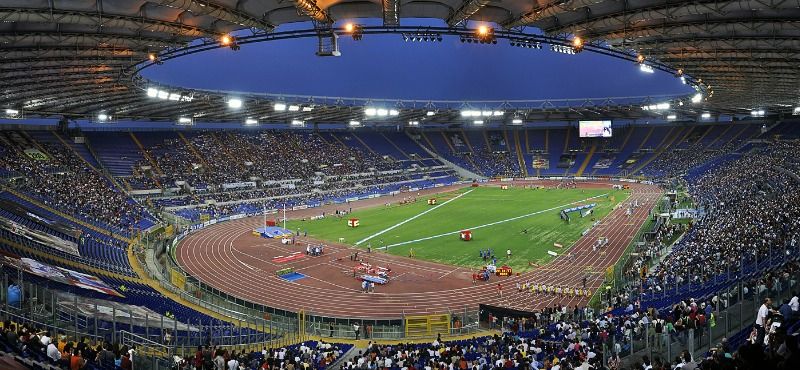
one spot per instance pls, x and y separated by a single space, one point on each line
235 103
251 121
279 107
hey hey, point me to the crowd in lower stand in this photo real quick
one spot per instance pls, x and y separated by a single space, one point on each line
753 213
63 181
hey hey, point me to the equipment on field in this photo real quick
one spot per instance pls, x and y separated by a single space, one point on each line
353 222
466 235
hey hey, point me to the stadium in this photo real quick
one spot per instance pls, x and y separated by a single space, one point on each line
389 185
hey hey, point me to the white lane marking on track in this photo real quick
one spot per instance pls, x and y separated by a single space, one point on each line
413 217
491 223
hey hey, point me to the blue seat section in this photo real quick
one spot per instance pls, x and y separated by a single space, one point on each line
116 150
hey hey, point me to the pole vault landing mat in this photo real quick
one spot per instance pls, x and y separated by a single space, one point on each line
272 232
294 276
292 257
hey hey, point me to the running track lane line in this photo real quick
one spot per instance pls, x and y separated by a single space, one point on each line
491 223
412 218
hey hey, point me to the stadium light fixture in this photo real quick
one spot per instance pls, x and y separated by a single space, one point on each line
705 115
279 107
640 58
679 72
394 112
382 112
646 68
796 111
308 109
430 113
251 121
184 121
683 80
577 44
413 123
102 117
235 103
470 113
516 121
498 113
12 112
478 122
354 123
672 117
298 123
757 113
486 113
294 108
371 112
174 96
697 98
152 92
163 94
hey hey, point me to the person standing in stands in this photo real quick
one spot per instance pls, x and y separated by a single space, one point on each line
357 330
76 362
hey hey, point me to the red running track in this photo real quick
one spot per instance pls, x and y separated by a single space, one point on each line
229 258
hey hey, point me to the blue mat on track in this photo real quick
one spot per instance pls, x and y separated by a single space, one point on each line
293 276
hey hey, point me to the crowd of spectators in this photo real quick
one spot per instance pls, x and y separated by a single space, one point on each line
677 162
63 181
496 164
304 356
752 213
62 352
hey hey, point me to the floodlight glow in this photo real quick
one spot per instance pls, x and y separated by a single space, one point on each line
235 103
393 112
646 68
498 113
382 112
683 80
294 108
478 122
796 111
697 98
251 121
371 112
672 117
184 120
174 96
102 117
279 107
482 30
349 27
225 40
516 121
151 92
12 112
430 113
163 94
757 113
308 109
470 113
413 123
297 123
486 113
355 123
705 115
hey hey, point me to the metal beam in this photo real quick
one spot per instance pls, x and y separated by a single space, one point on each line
467 9
103 21
311 10
391 12
90 39
670 28
624 14
213 9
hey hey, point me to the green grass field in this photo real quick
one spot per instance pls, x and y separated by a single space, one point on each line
509 211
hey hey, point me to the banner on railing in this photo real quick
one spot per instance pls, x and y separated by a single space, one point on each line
61 275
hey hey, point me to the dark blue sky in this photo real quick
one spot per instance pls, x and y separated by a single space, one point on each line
388 67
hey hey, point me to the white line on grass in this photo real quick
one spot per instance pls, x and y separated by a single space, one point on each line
413 217
491 223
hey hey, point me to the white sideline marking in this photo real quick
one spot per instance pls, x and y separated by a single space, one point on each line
491 223
413 217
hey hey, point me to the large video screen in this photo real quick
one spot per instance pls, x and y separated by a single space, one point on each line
594 128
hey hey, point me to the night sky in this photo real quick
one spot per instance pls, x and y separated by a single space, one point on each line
388 67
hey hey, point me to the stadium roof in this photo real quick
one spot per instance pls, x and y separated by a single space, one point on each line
77 57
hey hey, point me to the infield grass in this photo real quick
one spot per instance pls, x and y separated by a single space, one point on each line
524 220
